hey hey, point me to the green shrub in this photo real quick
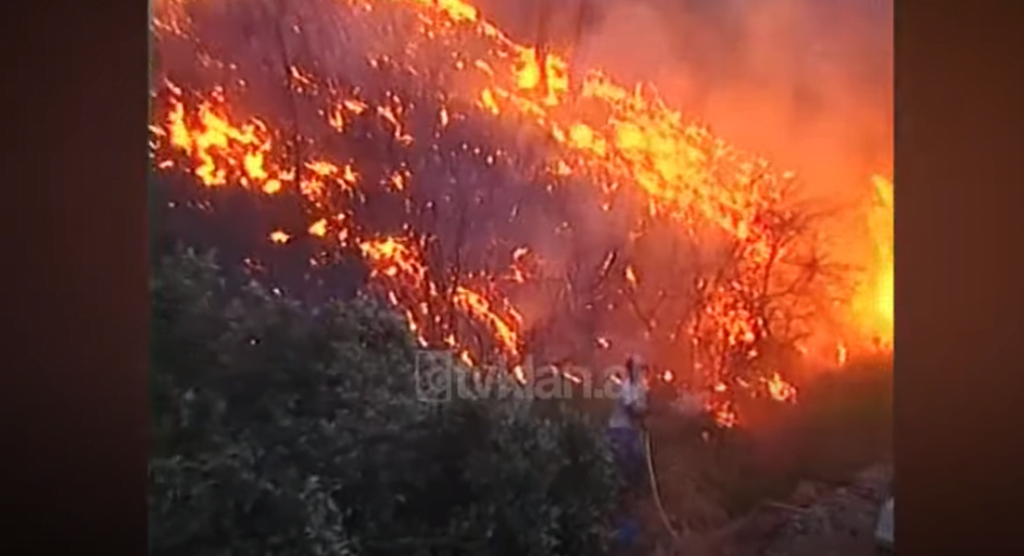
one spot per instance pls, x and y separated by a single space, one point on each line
280 429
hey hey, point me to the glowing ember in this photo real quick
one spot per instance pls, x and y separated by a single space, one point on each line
841 354
725 416
781 390
319 228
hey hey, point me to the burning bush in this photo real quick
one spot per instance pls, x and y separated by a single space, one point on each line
285 429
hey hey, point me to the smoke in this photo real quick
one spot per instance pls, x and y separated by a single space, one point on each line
806 83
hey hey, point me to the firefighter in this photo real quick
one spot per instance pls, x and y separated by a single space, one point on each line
626 424
626 436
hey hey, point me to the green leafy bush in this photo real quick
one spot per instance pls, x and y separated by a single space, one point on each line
282 429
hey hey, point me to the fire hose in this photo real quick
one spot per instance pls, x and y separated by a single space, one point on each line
653 477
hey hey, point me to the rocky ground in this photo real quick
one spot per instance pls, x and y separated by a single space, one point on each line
791 517
817 519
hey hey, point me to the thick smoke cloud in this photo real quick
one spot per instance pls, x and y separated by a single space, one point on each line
807 83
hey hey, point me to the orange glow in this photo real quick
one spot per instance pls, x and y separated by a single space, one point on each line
622 140
873 305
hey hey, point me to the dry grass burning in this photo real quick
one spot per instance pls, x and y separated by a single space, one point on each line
570 219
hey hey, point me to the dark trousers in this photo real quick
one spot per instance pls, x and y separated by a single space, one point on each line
628 448
630 457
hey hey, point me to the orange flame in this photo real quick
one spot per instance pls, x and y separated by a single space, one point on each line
781 390
632 142
873 305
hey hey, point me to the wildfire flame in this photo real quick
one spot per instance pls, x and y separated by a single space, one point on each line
406 281
874 306
625 141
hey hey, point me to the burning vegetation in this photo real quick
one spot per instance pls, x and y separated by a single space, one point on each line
570 219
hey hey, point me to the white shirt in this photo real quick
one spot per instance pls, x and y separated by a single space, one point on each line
632 395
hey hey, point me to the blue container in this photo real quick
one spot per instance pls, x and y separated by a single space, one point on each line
628 533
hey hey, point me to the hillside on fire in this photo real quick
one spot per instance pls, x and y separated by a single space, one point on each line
350 195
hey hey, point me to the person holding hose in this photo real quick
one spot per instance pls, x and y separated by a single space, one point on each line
626 424
626 429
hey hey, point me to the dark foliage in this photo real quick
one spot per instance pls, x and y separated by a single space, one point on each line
285 429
